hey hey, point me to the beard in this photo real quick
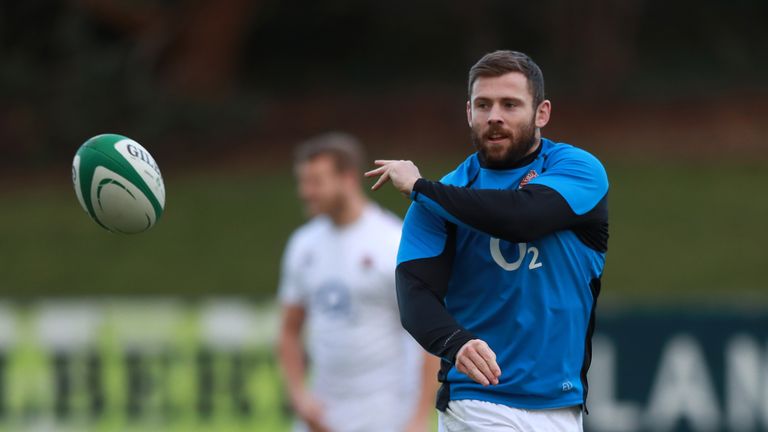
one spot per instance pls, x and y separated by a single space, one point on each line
497 157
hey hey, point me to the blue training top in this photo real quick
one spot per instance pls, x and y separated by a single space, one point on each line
525 251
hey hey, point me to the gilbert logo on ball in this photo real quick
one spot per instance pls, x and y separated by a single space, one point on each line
118 183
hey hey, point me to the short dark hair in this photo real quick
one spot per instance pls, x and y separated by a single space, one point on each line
502 62
343 148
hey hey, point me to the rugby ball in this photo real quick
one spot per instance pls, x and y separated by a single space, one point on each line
118 183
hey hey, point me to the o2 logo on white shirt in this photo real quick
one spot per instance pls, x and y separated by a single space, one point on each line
523 250
333 299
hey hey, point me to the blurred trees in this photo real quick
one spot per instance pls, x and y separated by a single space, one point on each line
193 45
196 74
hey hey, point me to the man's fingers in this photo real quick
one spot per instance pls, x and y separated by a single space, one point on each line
478 361
375 172
490 359
383 162
473 372
482 365
383 179
468 368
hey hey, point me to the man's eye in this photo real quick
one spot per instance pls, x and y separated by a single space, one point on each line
510 105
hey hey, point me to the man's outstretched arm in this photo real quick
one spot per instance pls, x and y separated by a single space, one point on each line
561 199
520 215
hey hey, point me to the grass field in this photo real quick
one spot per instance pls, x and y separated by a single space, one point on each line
679 232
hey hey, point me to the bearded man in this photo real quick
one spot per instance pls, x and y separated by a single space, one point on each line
500 262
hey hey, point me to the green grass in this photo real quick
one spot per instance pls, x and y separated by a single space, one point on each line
678 232
687 232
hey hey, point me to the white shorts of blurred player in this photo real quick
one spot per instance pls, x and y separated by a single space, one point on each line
376 412
474 415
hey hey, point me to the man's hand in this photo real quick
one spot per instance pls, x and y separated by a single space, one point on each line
476 360
402 173
311 411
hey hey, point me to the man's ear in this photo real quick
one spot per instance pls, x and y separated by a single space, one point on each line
469 114
542 113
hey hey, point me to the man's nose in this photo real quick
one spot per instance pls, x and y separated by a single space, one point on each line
494 116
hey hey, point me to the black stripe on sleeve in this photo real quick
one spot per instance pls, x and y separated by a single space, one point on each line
519 215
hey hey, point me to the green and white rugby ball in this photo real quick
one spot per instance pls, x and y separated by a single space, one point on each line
118 183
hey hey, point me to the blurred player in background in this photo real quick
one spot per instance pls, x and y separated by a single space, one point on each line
500 262
338 281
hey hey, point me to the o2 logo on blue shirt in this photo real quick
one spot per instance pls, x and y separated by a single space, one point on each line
333 298
522 251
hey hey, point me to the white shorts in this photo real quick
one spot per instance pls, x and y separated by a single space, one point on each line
474 415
